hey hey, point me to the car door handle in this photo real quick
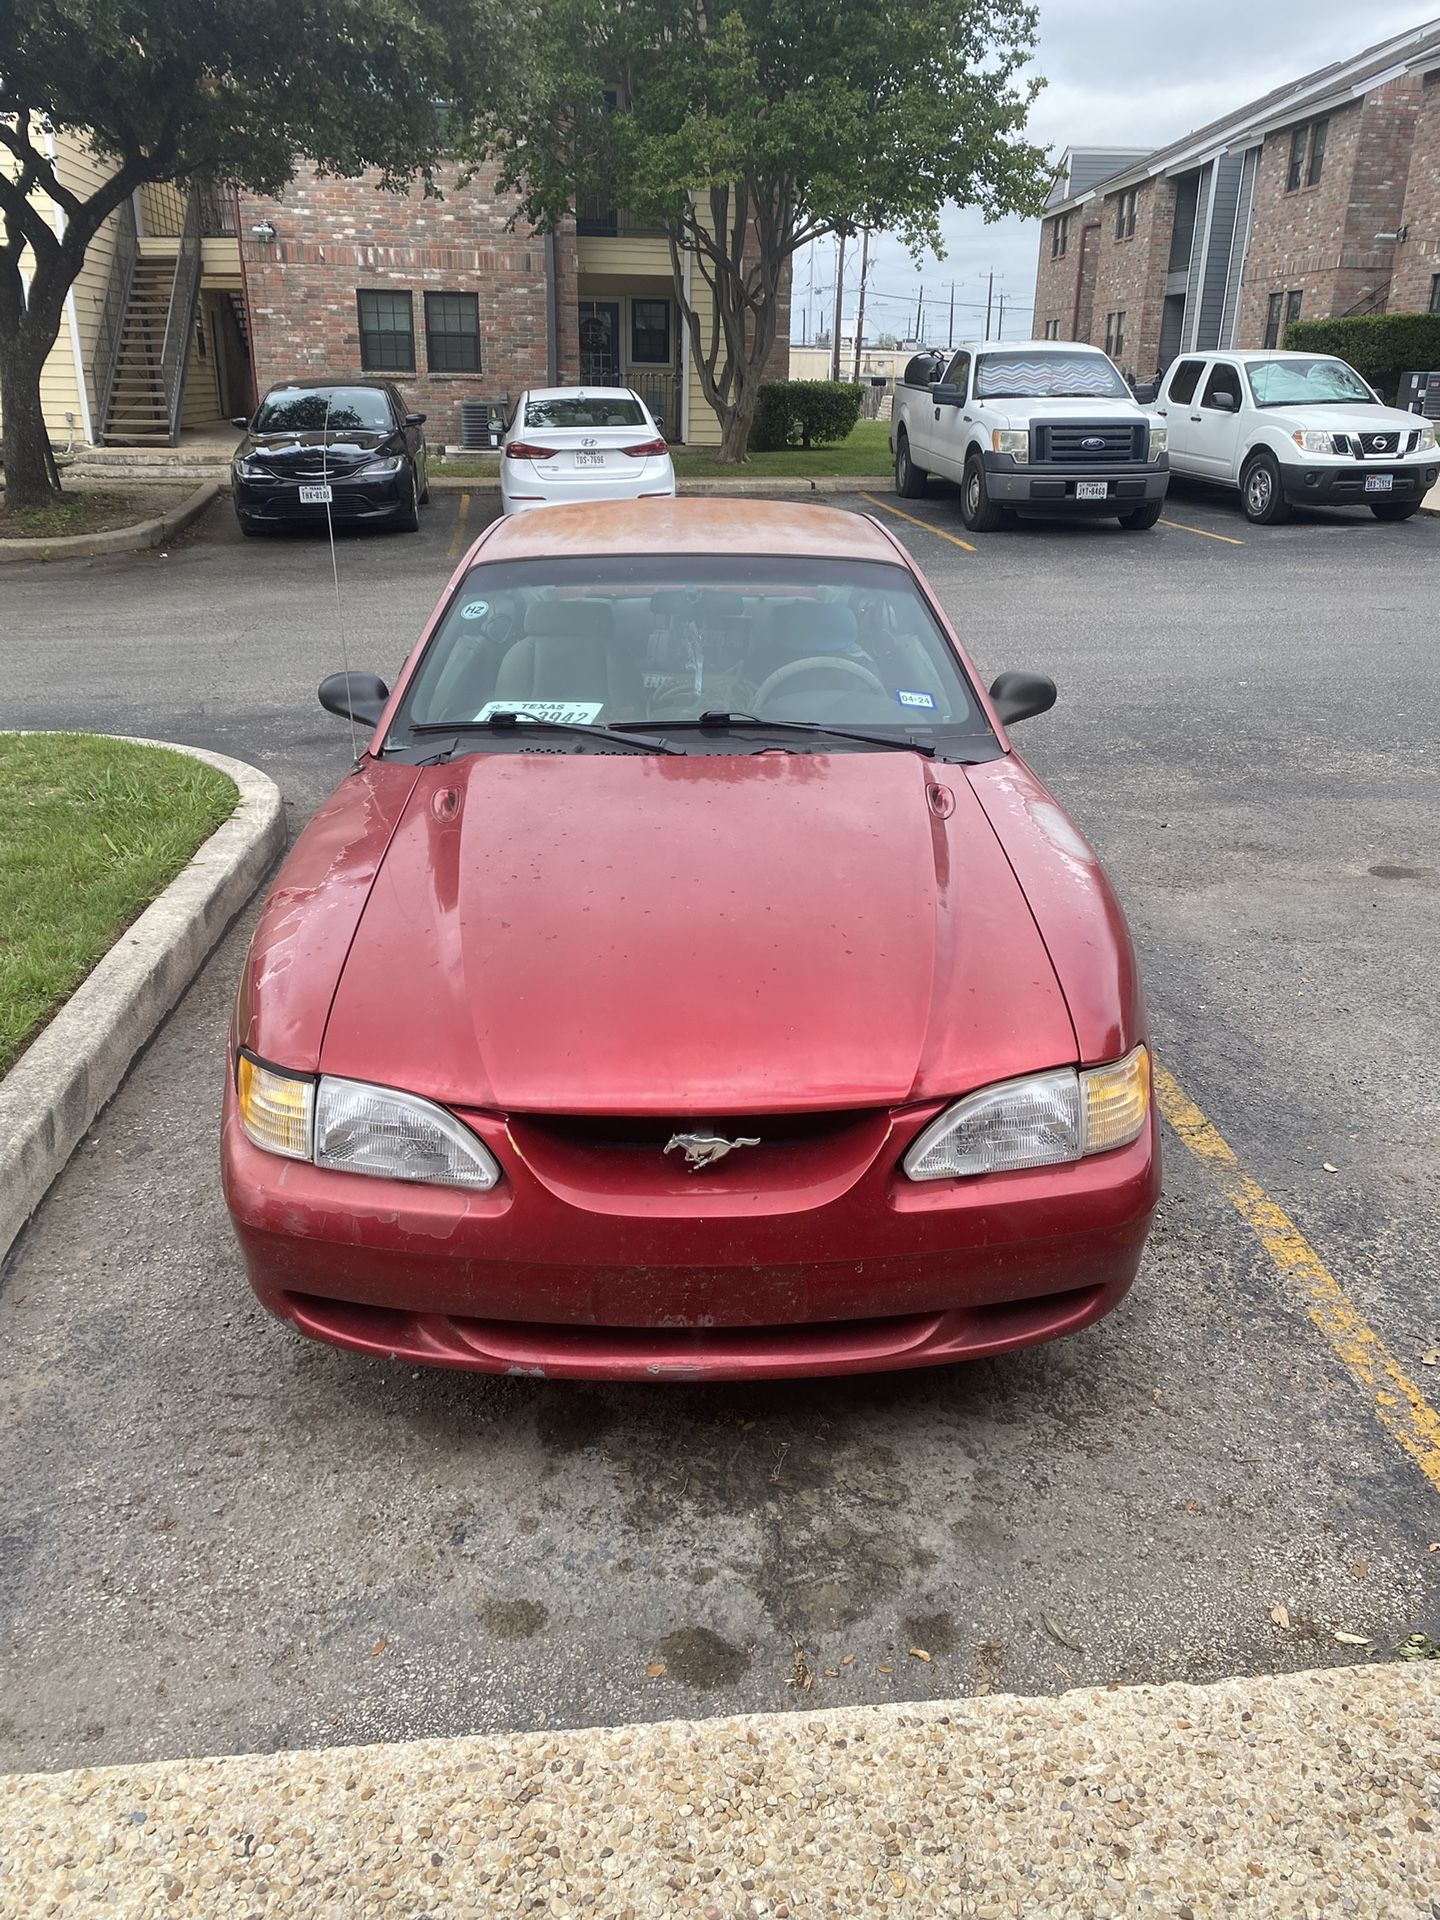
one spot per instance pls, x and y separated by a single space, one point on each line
1162 410
969 421
1197 418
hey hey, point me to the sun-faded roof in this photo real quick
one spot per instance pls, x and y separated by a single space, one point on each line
687 526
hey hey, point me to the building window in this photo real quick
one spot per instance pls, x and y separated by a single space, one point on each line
1052 329
387 332
1307 155
452 332
1273 315
1115 334
1125 208
1060 237
1292 306
1435 294
650 333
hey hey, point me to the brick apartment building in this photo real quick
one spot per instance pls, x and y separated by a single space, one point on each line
1321 198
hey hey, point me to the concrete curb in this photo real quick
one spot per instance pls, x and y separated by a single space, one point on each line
84 546
1280 1797
53 1092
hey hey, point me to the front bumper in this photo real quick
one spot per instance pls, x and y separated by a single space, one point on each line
273 503
1342 483
1052 488
838 1265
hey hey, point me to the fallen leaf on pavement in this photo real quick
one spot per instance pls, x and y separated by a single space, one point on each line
1418 1646
1351 1639
1359 1569
800 1674
1059 1633
655 1669
919 1653
1281 1617
1431 1358
1328 1168
847 1659
379 1646
887 1669
832 1673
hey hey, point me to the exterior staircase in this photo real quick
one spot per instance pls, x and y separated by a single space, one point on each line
139 412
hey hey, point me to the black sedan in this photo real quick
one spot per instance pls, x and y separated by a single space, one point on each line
352 452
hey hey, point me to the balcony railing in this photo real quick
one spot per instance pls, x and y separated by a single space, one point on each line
164 207
106 356
595 217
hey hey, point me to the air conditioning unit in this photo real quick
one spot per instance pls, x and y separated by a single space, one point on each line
481 424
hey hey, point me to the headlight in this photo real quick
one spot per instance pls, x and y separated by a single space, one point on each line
353 1128
384 463
1309 440
1011 440
1159 441
253 470
1426 442
1040 1121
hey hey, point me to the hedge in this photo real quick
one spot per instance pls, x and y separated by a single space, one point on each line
1381 346
814 412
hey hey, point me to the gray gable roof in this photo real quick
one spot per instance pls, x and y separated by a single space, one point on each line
1416 50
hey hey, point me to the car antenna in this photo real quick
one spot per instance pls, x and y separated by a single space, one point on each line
335 575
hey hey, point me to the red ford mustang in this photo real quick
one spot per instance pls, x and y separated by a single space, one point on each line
689 980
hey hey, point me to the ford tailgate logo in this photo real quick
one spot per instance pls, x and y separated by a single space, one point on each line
1093 445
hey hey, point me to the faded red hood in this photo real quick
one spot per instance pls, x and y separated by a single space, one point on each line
586 933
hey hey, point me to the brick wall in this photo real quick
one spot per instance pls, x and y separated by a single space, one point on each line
1417 260
1055 281
1130 274
1320 239
335 236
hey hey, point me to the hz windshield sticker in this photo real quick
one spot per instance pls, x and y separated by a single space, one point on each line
914 699
569 711
474 609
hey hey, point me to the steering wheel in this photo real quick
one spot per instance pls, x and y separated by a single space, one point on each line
813 664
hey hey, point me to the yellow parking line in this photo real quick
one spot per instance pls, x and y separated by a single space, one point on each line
1180 527
457 539
1399 1405
939 532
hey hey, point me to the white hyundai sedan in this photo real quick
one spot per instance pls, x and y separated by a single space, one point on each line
567 445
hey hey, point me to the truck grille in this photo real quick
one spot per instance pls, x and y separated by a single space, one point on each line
1074 444
1390 442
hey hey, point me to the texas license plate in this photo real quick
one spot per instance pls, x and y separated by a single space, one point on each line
1379 482
1092 490
589 459
316 496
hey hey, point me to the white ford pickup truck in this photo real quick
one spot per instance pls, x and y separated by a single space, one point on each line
1295 429
1038 426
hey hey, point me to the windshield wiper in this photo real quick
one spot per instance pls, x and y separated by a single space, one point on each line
725 719
505 722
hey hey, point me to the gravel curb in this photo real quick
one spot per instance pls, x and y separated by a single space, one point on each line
84 546
53 1092
1280 1798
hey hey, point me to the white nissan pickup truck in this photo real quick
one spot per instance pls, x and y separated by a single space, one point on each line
1031 426
1295 429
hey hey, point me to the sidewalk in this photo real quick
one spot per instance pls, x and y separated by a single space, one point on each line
1282 1798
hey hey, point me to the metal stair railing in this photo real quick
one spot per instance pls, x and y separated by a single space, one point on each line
180 319
105 359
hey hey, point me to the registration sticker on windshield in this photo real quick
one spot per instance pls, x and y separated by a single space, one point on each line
474 609
908 699
569 712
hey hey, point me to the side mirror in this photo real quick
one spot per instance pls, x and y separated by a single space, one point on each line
1020 696
355 696
660 423
414 419
1225 403
946 396
241 422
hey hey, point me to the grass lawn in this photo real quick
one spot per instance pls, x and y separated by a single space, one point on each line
90 831
867 451
87 510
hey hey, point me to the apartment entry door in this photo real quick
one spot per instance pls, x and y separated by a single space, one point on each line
600 343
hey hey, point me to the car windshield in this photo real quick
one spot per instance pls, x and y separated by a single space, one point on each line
1047 376
644 639
581 410
1306 383
311 409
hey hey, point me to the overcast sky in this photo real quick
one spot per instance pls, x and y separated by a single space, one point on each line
1133 72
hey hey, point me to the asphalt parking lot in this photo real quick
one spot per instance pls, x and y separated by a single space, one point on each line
216 1537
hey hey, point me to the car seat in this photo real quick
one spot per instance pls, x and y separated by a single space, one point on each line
568 652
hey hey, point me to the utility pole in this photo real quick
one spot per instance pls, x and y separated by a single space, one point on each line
920 315
860 316
839 298
1000 317
950 336
989 295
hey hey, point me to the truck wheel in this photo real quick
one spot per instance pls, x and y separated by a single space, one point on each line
1261 492
1145 516
1394 509
977 510
909 479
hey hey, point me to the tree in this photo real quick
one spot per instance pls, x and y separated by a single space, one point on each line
752 131
199 90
